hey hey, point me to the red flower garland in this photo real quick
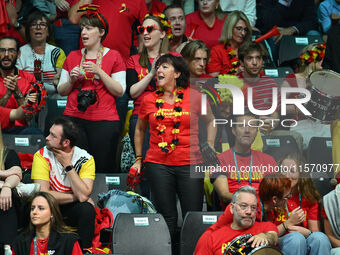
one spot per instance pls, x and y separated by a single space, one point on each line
235 62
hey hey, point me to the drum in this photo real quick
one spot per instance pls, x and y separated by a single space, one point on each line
239 246
324 104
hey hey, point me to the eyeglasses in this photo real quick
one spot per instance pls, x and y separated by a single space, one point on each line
241 29
244 207
10 51
149 29
39 25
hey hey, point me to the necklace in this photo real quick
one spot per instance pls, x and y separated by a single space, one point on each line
38 66
160 117
237 169
99 60
235 62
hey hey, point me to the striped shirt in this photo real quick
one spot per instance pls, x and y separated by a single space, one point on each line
53 58
263 92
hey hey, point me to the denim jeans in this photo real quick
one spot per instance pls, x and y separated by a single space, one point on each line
296 244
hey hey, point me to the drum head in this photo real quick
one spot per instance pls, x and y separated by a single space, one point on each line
265 251
326 81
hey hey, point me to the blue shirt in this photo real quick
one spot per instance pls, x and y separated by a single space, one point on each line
326 8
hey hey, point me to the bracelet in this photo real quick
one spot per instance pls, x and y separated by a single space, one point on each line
6 185
310 232
138 158
284 226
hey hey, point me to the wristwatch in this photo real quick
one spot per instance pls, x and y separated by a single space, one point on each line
68 168
17 26
18 94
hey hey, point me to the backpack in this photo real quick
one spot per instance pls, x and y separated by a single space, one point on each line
118 201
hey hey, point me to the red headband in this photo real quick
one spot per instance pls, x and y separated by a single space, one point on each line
91 10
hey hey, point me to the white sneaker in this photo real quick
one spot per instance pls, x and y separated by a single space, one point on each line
27 190
7 250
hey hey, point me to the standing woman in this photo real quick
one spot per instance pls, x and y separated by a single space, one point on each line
304 238
47 232
223 58
174 144
140 78
92 78
205 24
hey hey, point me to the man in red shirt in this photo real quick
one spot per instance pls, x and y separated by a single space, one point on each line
14 83
241 165
243 208
251 57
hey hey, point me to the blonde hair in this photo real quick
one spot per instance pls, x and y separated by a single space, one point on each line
230 23
165 44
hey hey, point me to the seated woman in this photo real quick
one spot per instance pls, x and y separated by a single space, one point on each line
223 58
47 233
10 176
305 237
311 60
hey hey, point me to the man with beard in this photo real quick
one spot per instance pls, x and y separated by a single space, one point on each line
14 83
251 57
240 165
176 16
243 208
67 172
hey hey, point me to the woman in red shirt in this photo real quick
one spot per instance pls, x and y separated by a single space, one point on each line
140 78
223 57
172 114
205 24
92 78
47 232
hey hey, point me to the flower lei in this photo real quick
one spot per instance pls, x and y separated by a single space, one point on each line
166 25
98 63
160 117
314 55
235 62
224 93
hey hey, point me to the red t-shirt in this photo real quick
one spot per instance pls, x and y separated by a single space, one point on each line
120 15
42 248
24 84
105 107
262 92
219 60
133 63
4 117
157 7
209 35
311 210
187 151
263 164
214 243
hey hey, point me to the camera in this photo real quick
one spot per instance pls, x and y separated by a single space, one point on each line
85 99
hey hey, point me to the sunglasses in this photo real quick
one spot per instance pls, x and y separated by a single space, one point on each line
149 29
